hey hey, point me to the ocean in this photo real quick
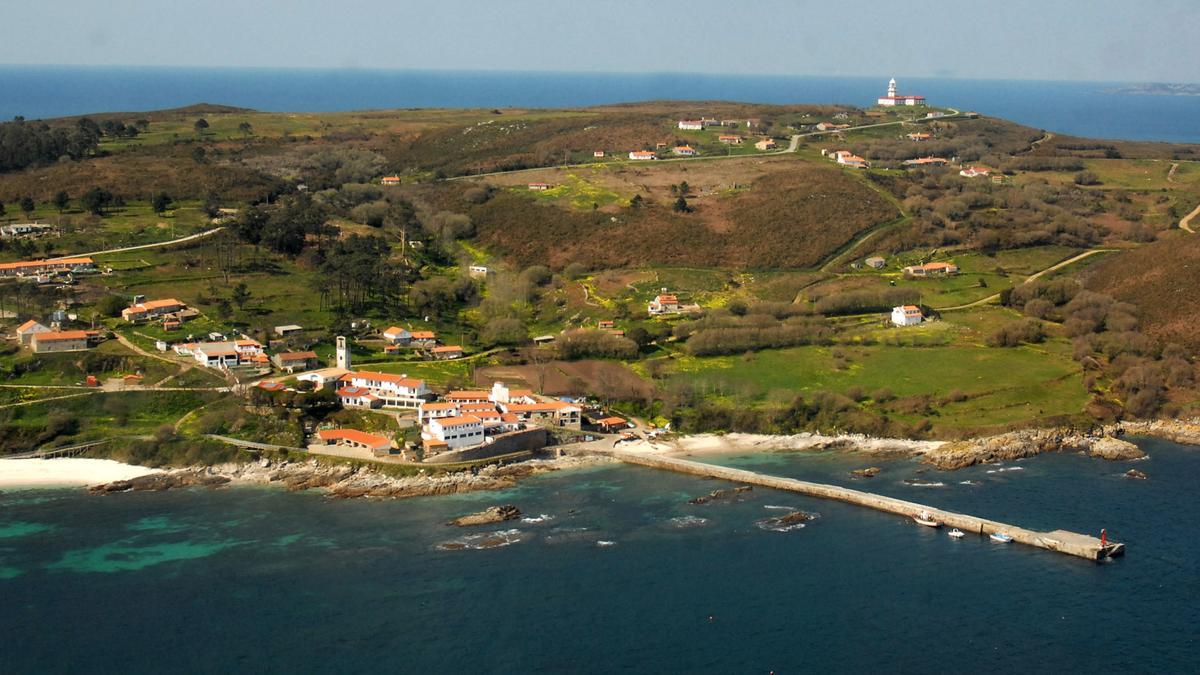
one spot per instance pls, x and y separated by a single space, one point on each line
614 571
1077 108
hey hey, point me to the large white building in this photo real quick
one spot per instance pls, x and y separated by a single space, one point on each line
893 99
392 391
457 432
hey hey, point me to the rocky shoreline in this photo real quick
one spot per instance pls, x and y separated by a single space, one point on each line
346 481
1103 442
342 481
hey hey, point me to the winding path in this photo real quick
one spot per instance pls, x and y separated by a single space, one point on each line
181 240
1186 223
1033 277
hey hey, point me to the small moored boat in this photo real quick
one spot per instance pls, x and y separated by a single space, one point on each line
926 518
956 533
1001 537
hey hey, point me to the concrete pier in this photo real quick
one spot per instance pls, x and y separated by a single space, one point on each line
1061 541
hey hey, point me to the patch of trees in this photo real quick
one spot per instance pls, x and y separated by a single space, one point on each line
587 343
824 411
1107 343
25 144
286 228
866 301
356 271
1017 332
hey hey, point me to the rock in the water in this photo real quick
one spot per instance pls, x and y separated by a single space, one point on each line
723 493
869 472
493 514
1108 447
1134 473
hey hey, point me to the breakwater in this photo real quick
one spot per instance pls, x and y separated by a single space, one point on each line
1061 541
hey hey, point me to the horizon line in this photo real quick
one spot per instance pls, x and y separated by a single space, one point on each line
516 71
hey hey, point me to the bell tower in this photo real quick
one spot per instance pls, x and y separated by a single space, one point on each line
343 353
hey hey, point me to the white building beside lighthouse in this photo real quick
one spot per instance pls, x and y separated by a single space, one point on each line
893 99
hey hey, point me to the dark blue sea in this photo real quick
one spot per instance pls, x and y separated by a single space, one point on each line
1079 108
260 580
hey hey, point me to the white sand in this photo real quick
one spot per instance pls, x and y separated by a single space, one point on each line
65 472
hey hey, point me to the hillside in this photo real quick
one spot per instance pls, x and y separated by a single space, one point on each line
791 218
1161 279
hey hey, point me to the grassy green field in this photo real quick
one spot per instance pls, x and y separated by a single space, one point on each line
997 386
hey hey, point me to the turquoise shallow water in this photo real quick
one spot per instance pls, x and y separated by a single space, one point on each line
262 580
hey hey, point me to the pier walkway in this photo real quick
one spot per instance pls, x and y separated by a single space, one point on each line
1062 541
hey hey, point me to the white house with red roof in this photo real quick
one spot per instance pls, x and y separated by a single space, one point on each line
546 413
685 151
152 309
664 303
244 352
974 171
27 330
642 155
397 336
457 432
63 341
930 269
393 391
907 315
358 397
353 438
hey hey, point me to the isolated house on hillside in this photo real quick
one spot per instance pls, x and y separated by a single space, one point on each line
691 125
685 151
766 144
906 315
664 303
642 155
930 269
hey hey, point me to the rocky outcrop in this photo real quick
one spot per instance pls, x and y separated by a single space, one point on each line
1184 432
488 516
1107 447
869 472
1134 473
717 495
1027 443
344 481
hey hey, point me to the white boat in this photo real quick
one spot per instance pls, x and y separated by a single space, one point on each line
956 533
1001 537
925 518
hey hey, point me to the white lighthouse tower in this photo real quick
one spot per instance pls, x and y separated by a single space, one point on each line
892 88
343 353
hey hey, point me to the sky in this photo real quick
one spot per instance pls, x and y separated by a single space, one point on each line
1096 40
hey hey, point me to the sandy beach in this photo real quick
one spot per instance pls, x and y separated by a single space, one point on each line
65 472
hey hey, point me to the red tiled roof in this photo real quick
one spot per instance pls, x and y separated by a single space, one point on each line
362 437
296 356
62 335
460 421
27 325
41 263
401 380
467 395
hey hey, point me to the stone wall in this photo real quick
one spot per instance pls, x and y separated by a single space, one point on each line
505 444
